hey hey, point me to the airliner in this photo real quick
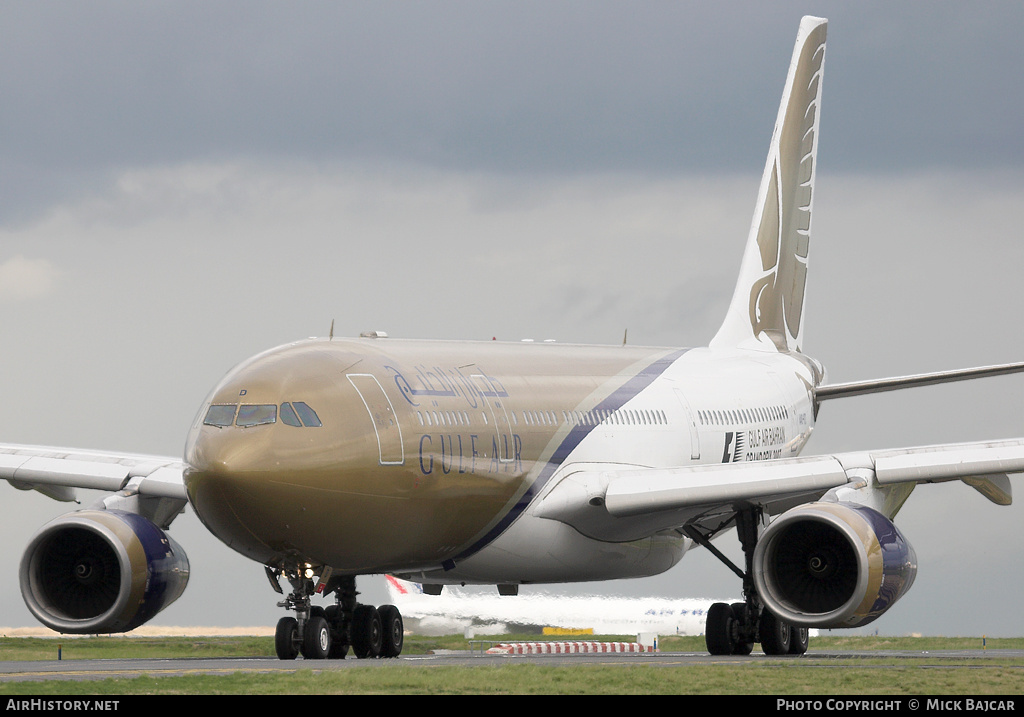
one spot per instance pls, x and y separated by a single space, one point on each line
455 611
496 463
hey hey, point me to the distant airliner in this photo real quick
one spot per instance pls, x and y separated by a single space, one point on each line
496 463
454 611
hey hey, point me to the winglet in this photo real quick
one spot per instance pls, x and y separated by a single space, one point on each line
767 304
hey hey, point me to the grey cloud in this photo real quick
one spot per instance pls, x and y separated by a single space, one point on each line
527 86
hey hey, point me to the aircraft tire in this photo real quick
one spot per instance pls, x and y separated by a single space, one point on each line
718 629
316 638
799 639
367 632
285 638
775 634
392 631
740 646
339 633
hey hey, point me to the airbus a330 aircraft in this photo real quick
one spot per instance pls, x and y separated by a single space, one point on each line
456 610
498 463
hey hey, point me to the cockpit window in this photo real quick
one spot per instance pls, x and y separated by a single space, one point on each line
256 414
289 416
307 414
296 414
220 415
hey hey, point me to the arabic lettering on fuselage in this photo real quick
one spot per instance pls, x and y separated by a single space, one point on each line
437 382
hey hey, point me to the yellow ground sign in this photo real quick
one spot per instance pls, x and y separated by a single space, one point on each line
568 631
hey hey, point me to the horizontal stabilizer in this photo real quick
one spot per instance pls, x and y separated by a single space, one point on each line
860 388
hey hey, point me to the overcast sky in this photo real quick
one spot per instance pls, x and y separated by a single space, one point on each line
183 184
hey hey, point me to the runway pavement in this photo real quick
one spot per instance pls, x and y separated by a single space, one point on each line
103 669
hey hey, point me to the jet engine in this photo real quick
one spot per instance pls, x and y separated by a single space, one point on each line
101 571
832 565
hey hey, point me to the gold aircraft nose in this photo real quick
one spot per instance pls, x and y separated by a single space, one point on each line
286 463
309 493
222 479
259 456
276 505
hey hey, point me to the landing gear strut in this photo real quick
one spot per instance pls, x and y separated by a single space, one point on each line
733 629
317 633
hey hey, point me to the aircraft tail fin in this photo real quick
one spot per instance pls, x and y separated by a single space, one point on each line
400 589
767 304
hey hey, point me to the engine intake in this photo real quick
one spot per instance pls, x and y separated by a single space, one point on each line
101 571
832 565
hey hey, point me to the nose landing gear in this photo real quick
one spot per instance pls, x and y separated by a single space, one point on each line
319 633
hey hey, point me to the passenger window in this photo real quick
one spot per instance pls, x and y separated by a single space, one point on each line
220 415
256 415
288 416
307 414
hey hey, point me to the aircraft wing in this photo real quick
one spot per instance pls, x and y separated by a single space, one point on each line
57 472
632 503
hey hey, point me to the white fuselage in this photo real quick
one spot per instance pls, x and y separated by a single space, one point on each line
709 406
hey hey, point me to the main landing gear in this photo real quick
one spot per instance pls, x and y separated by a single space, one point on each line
733 629
319 633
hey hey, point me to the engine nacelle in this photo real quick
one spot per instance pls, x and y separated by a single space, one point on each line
101 571
832 565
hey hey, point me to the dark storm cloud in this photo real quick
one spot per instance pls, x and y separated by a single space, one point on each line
555 86
525 86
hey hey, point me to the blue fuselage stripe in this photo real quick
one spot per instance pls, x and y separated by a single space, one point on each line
613 402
